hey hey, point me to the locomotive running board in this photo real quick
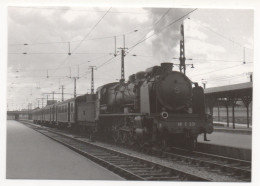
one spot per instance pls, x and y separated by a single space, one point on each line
125 114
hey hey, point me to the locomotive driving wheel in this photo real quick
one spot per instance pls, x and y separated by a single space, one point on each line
191 143
115 133
123 137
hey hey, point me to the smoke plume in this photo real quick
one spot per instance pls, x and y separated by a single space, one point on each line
167 38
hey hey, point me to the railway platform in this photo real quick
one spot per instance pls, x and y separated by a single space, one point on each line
233 143
31 155
239 128
236 140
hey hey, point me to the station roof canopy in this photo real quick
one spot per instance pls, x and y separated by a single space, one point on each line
236 90
18 112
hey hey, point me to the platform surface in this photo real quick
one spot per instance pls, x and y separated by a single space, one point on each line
31 155
228 139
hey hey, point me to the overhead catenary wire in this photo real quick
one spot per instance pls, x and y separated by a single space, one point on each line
91 30
175 21
222 35
73 41
223 78
218 70
80 64
153 25
106 62
111 59
64 61
218 60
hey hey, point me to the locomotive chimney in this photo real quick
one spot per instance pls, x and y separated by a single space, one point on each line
166 67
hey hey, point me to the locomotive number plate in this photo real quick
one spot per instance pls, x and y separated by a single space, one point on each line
186 124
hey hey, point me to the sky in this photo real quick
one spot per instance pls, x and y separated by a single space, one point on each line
217 42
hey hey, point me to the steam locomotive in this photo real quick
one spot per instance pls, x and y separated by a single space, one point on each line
154 107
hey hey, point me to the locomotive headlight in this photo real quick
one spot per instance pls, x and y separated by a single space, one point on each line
164 115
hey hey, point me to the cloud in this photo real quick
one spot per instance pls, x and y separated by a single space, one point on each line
166 38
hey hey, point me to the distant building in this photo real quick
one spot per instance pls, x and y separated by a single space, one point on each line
51 102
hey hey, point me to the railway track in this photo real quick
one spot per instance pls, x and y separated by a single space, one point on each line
240 170
127 166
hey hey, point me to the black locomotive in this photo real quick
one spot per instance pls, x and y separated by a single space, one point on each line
154 107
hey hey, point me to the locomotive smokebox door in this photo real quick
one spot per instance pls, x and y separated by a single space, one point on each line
173 91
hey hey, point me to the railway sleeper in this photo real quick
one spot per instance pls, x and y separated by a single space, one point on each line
109 158
140 168
144 170
154 174
106 155
133 166
171 178
118 161
101 154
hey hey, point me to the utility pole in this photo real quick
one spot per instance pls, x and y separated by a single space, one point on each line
92 78
53 92
75 82
75 87
62 91
53 96
204 82
182 58
122 65
123 61
69 53
250 74
244 62
182 52
42 101
28 110
115 54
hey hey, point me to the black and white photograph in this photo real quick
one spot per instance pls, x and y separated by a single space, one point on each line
130 93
